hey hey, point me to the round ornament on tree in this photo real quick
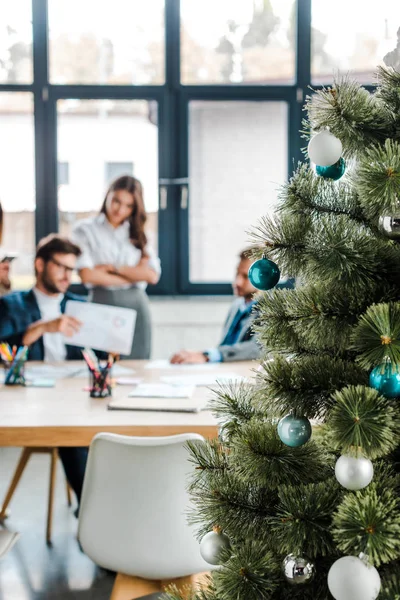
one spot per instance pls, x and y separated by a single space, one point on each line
294 431
324 149
354 473
351 578
298 569
334 172
213 545
389 225
264 274
385 378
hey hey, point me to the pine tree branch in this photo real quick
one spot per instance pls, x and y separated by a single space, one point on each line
369 523
355 116
259 455
377 335
304 518
304 386
282 240
306 193
252 573
377 180
235 506
362 419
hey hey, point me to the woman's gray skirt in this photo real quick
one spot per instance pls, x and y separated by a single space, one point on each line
138 300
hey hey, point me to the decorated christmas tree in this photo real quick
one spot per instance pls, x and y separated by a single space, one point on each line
299 498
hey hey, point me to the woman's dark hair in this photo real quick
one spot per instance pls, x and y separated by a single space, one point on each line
55 244
1 223
138 217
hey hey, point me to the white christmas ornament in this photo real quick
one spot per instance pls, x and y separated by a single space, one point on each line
324 149
351 578
354 473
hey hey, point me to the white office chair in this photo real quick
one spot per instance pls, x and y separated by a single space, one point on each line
133 513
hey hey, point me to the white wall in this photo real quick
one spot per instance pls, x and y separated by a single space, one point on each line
190 323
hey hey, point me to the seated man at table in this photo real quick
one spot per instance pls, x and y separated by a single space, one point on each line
238 341
35 318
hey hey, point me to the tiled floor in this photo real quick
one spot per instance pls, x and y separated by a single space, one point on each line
32 570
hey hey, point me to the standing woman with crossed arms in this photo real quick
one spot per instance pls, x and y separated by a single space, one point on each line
117 263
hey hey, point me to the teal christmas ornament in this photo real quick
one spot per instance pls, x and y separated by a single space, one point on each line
294 431
264 274
334 172
385 378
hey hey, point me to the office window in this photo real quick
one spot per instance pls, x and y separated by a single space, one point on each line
237 160
120 42
116 169
17 183
353 37
244 42
16 63
90 133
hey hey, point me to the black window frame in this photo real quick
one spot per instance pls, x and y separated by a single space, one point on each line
173 100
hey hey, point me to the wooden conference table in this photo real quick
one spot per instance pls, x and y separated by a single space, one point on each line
65 415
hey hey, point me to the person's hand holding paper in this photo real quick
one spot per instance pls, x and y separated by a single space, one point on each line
104 327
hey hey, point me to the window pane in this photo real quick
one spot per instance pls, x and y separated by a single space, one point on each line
245 41
237 160
16 65
17 184
119 42
353 36
94 134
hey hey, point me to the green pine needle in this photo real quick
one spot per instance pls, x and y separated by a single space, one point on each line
377 335
304 385
369 523
361 418
252 573
377 180
304 518
259 455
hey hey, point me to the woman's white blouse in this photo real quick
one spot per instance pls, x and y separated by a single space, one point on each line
102 244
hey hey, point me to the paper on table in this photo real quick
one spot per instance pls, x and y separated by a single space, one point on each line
161 390
108 328
201 379
159 404
45 371
165 364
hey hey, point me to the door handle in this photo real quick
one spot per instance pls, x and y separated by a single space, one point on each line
163 197
184 196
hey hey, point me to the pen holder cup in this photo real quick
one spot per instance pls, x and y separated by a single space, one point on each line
14 374
100 383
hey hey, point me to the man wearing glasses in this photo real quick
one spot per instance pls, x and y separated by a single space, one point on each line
36 318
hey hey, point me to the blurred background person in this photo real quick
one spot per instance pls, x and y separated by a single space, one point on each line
117 263
5 283
237 341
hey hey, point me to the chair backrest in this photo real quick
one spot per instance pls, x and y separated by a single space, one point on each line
134 507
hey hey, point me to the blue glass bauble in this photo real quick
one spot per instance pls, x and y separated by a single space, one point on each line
386 380
334 172
264 274
294 431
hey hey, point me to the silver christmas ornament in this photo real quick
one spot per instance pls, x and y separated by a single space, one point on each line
354 473
298 569
212 546
389 225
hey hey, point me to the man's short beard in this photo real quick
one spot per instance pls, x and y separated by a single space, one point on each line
48 285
